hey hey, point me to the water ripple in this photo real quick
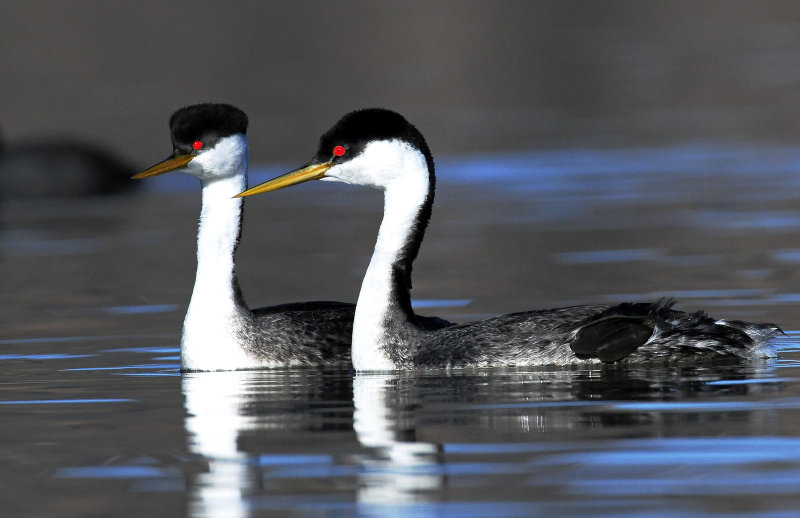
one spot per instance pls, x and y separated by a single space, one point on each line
43 356
65 401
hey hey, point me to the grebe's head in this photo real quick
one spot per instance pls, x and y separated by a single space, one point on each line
373 147
208 142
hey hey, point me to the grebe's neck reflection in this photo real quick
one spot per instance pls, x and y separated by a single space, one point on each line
377 444
213 423
245 424
400 470
238 422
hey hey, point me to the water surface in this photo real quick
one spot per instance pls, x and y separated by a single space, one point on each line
100 422
124 434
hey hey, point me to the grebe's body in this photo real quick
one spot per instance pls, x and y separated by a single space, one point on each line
379 148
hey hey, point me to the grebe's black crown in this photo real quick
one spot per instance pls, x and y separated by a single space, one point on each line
356 129
207 123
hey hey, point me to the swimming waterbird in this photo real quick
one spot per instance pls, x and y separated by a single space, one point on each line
220 332
379 148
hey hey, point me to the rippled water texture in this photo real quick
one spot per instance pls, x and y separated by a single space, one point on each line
100 422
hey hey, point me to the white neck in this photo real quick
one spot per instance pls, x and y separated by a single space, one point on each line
209 339
404 196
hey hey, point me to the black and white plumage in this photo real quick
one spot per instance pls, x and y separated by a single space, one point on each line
220 332
379 148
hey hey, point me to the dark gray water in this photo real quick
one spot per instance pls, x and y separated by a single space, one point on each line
99 422
122 434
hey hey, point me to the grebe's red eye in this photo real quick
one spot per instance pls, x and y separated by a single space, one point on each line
339 150
198 144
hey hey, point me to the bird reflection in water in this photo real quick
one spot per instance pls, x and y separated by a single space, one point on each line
304 440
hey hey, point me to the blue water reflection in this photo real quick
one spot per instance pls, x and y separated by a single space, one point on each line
610 256
125 472
572 170
42 356
143 309
720 451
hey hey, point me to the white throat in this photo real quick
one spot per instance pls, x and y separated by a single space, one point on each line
209 340
405 190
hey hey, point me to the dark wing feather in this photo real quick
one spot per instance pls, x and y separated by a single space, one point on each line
617 332
623 341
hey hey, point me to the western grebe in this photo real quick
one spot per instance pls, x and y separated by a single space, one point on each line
220 332
379 148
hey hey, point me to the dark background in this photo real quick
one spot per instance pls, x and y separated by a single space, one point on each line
661 135
474 76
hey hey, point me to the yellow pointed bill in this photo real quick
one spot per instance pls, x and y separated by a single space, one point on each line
166 166
304 174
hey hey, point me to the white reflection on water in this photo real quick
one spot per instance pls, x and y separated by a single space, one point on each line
401 473
394 472
213 422
494 442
